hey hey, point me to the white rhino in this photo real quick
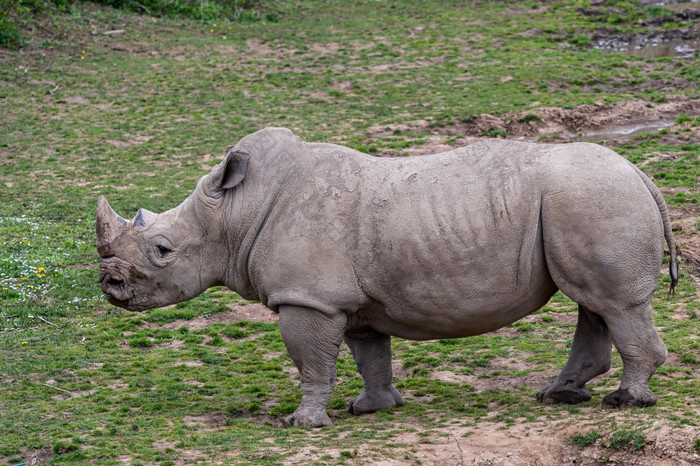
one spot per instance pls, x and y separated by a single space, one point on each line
348 246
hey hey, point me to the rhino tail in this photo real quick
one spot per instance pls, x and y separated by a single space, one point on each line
668 234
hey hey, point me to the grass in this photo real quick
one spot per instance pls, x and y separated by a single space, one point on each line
584 440
140 116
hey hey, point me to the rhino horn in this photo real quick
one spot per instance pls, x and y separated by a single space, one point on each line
144 217
108 225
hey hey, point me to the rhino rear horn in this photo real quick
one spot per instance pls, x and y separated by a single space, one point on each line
108 224
144 217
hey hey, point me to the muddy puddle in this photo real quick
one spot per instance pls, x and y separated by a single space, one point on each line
623 132
660 40
654 47
676 4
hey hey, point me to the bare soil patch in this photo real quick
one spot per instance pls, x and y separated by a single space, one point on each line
215 419
617 120
537 443
535 380
254 312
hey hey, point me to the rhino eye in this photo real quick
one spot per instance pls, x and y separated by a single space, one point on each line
163 251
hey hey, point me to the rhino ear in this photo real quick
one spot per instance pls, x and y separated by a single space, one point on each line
232 170
144 217
108 225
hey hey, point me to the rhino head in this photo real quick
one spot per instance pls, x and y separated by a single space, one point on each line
159 259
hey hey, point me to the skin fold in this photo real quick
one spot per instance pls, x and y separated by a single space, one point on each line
345 246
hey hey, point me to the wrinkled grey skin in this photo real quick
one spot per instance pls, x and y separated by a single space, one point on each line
347 246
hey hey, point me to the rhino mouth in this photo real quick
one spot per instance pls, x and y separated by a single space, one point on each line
116 290
116 302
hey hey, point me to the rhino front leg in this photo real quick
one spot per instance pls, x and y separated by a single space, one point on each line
372 353
312 339
589 357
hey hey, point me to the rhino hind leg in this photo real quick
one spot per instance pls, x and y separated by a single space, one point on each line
642 352
313 340
603 249
589 357
372 353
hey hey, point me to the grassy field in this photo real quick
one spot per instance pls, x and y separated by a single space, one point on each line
137 108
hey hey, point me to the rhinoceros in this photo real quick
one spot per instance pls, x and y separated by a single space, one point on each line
343 245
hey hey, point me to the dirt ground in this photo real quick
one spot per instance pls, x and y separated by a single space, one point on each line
540 443
603 123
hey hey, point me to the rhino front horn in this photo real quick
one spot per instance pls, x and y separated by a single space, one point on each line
108 225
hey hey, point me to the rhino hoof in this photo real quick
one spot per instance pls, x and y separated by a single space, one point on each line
566 394
624 398
309 417
369 402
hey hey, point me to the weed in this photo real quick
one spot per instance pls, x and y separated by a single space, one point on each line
530 117
61 448
688 359
140 342
627 438
580 40
585 440
9 33
497 133
683 118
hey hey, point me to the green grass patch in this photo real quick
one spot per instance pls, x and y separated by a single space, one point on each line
141 114
624 438
585 440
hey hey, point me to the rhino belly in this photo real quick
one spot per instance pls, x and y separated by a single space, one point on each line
458 312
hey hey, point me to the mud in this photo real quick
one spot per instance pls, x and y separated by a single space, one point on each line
650 47
601 122
657 41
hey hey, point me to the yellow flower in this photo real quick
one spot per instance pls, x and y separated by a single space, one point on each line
211 30
82 57
41 269
24 342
